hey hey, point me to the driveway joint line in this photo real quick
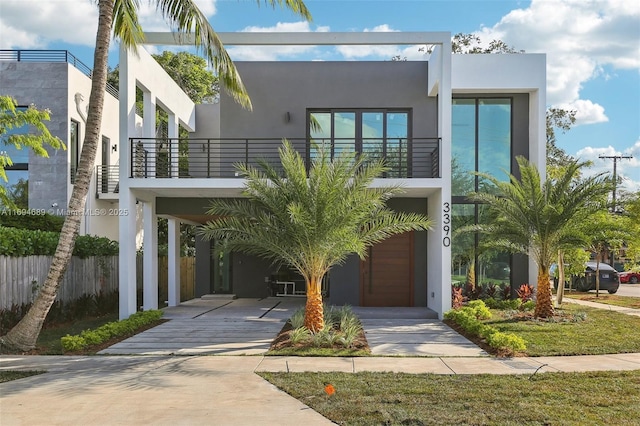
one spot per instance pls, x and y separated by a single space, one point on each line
212 309
270 309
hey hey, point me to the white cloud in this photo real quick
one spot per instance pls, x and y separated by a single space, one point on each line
586 111
627 169
27 24
580 38
272 53
36 23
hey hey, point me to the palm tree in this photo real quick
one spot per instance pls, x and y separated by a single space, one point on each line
540 219
121 16
310 221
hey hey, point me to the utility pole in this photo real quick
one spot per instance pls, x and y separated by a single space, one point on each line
615 159
614 208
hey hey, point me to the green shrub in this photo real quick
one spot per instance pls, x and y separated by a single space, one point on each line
109 330
480 309
30 220
503 304
24 242
468 318
506 341
529 305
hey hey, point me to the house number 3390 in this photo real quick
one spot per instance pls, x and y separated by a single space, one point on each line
446 224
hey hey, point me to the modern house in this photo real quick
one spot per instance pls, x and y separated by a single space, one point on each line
435 121
58 81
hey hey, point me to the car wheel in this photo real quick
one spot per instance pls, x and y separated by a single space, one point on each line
613 291
633 280
581 284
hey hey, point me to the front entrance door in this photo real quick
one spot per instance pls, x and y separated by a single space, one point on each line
386 275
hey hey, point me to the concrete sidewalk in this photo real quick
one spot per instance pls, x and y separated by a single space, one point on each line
621 309
221 390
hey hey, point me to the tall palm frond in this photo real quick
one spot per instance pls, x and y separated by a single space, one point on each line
540 218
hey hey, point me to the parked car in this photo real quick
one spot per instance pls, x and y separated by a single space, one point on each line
609 279
632 277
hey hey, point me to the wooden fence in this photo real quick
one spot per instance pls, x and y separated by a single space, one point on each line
22 277
187 278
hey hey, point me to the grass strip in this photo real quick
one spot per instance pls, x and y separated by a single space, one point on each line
427 399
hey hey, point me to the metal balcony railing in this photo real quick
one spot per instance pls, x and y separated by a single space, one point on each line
107 180
51 56
217 158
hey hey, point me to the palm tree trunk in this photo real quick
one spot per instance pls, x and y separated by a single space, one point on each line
314 311
25 334
544 304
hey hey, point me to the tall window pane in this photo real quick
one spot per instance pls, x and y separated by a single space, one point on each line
494 138
344 125
463 146
397 144
373 134
463 246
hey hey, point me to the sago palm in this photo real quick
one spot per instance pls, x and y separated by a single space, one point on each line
121 16
540 218
311 220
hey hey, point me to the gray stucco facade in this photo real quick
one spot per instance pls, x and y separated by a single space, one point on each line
46 86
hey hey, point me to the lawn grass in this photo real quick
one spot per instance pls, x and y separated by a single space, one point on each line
428 399
7 376
602 332
607 299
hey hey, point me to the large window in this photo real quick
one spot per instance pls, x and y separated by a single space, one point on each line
480 142
380 133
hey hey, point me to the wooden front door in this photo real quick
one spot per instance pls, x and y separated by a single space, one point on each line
386 275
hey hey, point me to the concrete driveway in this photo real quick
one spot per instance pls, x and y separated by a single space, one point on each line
223 326
213 326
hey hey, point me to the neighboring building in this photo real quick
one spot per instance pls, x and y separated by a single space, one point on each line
472 112
58 81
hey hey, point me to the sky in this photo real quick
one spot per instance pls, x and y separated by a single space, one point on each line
592 48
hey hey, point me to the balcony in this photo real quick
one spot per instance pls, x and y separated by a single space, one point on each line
217 158
107 182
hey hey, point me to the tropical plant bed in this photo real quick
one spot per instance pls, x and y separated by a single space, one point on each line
282 345
343 335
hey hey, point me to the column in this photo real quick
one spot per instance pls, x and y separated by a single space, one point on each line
150 256
174 261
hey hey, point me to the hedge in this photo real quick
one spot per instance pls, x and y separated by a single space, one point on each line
109 330
469 318
24 242
29 219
